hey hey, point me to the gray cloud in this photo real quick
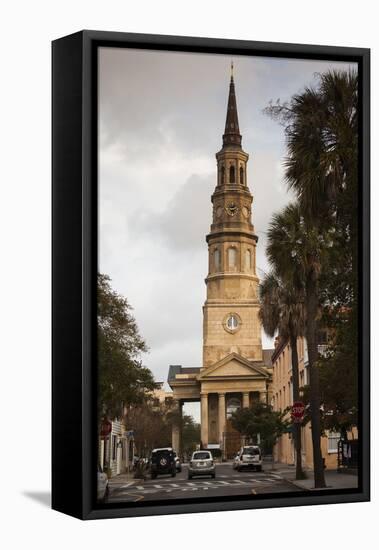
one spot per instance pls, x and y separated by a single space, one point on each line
161 118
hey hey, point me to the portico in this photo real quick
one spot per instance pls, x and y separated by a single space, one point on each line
230 384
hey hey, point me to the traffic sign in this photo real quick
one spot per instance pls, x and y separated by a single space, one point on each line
106 428
297 411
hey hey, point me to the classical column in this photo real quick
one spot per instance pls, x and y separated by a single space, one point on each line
221 421
204 420
245 400
176 430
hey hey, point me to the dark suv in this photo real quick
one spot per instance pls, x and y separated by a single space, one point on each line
162 462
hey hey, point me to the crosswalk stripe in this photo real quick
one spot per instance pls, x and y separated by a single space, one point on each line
140 487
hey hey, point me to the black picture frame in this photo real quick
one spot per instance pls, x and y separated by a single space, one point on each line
74 206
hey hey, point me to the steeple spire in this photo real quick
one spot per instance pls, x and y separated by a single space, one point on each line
232 134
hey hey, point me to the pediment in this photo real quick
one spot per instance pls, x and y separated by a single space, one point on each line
235 366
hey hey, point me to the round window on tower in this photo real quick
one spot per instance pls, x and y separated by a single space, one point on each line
232 322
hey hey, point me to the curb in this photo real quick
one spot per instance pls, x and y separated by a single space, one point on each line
296 484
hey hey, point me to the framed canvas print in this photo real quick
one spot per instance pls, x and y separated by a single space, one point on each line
210 275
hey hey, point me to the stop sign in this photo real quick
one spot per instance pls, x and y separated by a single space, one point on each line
297 412
106 428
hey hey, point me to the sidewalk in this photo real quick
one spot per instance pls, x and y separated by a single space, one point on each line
333 478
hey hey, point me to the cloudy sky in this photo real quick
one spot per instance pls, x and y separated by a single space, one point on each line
161 117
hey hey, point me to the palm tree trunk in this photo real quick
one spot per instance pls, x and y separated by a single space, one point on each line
311 336
296 397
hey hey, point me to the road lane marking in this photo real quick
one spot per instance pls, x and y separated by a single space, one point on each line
238 482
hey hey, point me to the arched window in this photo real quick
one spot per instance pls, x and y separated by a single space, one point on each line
217 259
248 259
232 175
222 175
232 256
241 176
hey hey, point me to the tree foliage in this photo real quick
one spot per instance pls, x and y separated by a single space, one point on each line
260 420
122 379
319 234
282 311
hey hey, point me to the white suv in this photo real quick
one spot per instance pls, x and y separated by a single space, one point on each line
248 457
201 464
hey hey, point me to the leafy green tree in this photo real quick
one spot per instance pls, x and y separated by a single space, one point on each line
150 425
338 381
122 379
190 434
282 312
260 420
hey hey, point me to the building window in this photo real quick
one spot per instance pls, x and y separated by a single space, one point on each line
333 438
114 447
217 259
248 259
232 257
241 175
232 175
222 175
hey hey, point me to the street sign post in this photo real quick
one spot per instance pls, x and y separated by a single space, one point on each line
297 411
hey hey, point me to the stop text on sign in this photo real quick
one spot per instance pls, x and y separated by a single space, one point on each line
297 411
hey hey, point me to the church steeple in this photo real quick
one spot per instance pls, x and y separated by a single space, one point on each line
231 310
232 134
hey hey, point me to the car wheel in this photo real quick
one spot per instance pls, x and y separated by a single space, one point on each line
259 468
189 476
173 474
213 476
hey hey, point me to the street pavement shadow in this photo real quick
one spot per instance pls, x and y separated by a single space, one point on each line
42 497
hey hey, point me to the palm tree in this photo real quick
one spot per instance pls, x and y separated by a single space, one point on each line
321 128
297 250
282 311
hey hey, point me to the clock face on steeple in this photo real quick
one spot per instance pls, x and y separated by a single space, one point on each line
232 323
231 209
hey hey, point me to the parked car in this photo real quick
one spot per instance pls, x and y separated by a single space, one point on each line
162 462
177 463
201 464
248 457
102 484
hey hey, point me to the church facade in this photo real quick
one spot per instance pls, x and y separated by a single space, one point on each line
235 370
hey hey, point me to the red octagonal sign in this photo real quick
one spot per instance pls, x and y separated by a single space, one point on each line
297 412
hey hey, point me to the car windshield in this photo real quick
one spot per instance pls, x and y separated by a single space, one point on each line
201 456
251 451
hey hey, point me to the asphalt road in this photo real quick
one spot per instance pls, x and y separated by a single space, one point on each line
227 482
